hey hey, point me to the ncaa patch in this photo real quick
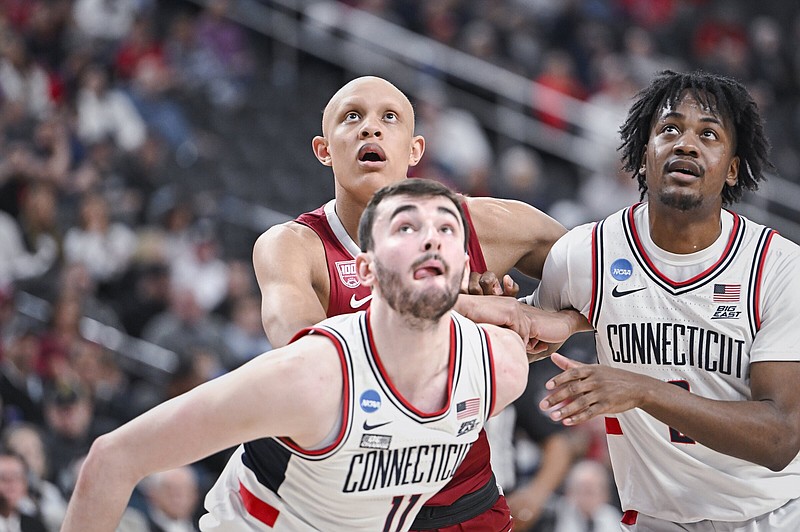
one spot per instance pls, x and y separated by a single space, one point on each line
347 273
370 401
621 269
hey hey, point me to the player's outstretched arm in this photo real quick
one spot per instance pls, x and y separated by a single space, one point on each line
513 234
542 331
293 391
764 430
289 262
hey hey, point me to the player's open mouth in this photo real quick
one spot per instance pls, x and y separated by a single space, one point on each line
684 166
371 153
429 268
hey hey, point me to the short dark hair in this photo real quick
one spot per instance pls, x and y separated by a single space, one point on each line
724 96
414 187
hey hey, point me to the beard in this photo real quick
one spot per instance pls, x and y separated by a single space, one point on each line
681 201
417 306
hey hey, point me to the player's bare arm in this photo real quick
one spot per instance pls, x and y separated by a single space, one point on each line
513 234
540 330
289 262
767 428
510 364
294 392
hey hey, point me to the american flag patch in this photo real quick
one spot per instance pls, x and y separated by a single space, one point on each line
468 408
727 293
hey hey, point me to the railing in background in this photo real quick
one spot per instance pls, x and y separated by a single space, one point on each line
362 43
138 357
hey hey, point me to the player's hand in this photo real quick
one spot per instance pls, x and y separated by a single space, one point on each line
584 391
487 284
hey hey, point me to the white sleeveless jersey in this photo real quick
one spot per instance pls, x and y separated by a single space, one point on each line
700 332
387 459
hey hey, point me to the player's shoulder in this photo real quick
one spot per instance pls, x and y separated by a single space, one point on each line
489 207
493 218
289 237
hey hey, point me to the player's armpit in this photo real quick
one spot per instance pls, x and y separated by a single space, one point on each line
289 263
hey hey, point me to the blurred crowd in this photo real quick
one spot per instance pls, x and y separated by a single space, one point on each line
601 52
95 125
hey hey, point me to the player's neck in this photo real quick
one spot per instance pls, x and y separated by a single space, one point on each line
415 358
683 232
349 213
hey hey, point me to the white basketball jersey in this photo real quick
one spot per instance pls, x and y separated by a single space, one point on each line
387 459
697 333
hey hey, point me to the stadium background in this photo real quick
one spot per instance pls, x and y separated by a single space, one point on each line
145 144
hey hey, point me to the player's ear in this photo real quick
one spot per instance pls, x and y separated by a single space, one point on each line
417 149
365 268
320 146
465 278
733 172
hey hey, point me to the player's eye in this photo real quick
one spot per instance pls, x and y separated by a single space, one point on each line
351 116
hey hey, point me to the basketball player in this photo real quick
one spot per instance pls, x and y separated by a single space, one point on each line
695 311
375 410
306 268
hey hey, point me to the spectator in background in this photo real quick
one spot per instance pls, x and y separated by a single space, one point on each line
244 334
61 336
521 176
139 44
114 395
173 498
103 110
185 326
70 428
21 388
200 269
52 149
44 497
148 297
585 505
102 25
458 150
560 81
226 55
23 82
241 284
45 33
642 57
16 261
13 493
38 214
105 247
150 93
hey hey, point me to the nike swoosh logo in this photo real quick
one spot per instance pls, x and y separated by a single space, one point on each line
367 426
356 303
616 292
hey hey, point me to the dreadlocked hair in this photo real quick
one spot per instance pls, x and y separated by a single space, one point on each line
722 95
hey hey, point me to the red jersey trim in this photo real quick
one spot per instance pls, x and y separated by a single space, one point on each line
264 512
477 262
345 396
492 374
613 427
732 240
629 517
759 277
